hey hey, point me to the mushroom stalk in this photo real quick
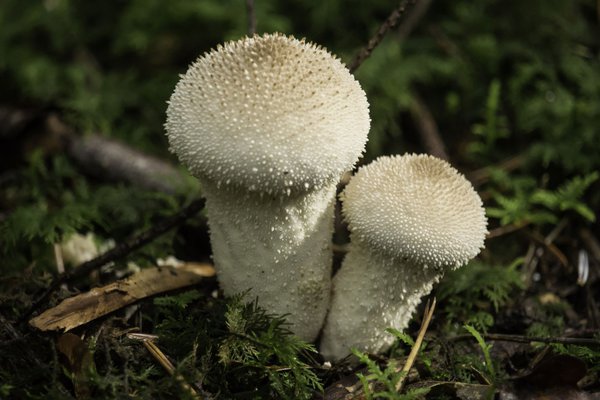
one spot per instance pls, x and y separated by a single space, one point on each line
360 313
411 219
277 248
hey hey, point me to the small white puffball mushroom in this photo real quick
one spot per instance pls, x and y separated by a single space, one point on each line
411 218
78 248
268 124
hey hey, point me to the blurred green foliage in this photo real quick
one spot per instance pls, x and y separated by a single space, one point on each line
502 78
474 293
510 76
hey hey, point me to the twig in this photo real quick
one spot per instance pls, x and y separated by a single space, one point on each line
130 244
505 230
428 128
251 15
113 160
17 337
528 339
592 307
60 264
413 18
109 159
560 256
551 237
530 262
590 242
427 315
389 23
480 176
168 366
445 43
95 154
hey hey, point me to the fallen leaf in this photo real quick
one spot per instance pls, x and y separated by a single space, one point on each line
555 370
79 362
457 390
554 377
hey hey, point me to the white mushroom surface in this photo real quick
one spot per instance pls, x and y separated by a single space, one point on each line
411 218
268 124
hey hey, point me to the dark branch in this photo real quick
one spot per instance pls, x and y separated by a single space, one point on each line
427 128
112 160
16 339
528 339
124 248
413 18
251 15
115 161
390 23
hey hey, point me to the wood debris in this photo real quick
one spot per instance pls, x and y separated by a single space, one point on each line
83 308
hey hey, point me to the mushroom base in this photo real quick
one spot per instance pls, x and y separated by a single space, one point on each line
371 294
277 249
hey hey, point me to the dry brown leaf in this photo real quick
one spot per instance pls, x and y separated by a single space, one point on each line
455 390
86 307
553 377
79 362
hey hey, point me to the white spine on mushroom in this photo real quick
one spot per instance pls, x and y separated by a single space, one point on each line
411 218
268 124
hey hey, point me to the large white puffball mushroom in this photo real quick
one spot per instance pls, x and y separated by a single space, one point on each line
411 218
268 124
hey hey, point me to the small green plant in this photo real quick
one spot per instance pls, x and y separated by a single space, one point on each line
5 389
235 347
568 196
381 383
468 292
485 348
401 338
494 128
271 350
521 203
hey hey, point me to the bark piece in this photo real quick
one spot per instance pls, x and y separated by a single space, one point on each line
86 307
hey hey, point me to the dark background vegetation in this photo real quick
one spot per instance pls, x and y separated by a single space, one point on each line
512 89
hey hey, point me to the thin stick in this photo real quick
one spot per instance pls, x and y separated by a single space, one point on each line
590 242
112 160
413 19
482 175
124 248
15 337
505 230
168 366
555 251
528 339
427 315
60 263
427 127
551 237
251 15
389 23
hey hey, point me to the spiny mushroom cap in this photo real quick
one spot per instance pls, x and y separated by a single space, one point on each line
415 208
271 114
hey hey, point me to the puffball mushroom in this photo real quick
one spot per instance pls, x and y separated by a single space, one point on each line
411 218
268 124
